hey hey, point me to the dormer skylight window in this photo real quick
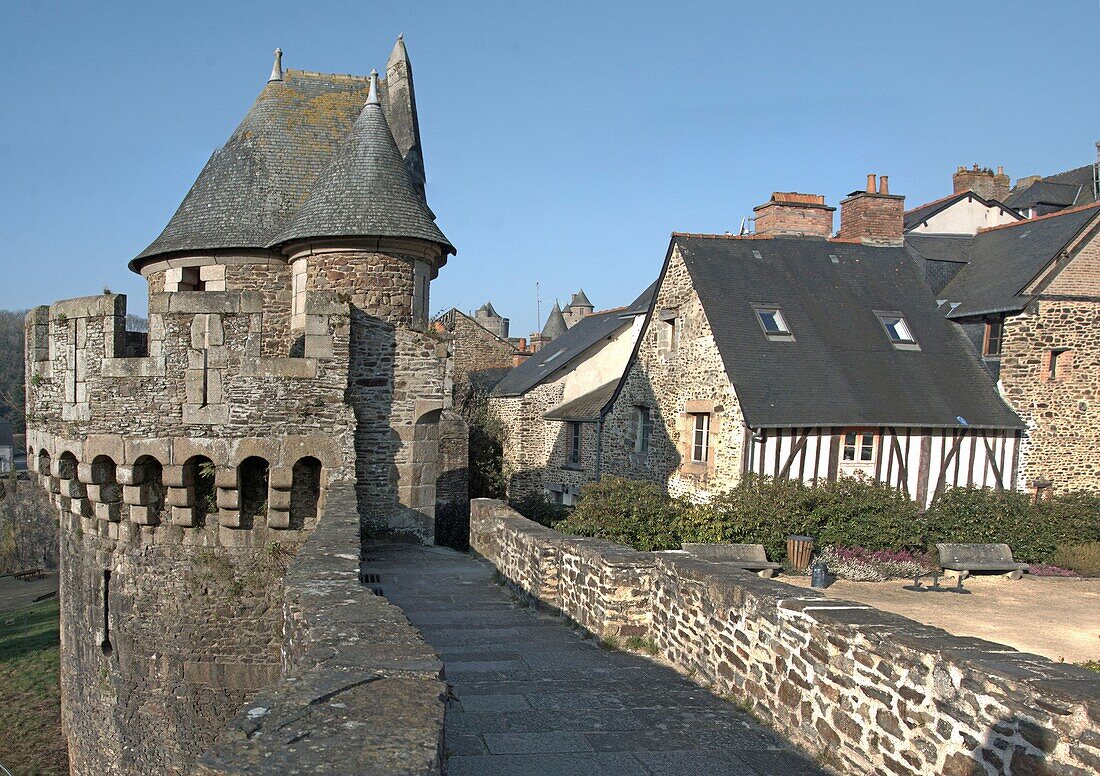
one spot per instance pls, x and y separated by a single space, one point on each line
773 323
898 331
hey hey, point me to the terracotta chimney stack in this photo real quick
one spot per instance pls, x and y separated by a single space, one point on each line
873 216
793 213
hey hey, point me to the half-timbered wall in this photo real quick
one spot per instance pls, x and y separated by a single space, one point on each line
920 461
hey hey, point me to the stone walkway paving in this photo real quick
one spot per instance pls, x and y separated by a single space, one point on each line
533 697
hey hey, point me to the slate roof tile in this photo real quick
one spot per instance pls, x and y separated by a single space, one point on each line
841 368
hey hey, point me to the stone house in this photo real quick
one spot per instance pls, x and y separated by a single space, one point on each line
790 353
288 352
549 406
1027 294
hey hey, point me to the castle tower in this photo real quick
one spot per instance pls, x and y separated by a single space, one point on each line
286 353
578 308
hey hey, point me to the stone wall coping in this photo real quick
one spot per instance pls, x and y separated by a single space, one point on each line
88 307
361 692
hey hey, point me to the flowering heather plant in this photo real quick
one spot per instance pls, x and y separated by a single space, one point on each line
859 564
1046 570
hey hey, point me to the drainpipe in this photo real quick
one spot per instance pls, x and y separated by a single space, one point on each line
599 444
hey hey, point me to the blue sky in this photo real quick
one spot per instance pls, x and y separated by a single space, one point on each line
564 141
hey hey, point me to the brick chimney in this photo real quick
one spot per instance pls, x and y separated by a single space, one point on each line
874 215
791 213
982 181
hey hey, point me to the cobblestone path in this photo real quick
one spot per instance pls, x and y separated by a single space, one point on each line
534 697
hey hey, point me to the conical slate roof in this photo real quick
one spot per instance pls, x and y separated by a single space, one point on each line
580 300
488 309
555 324
253 185
366 190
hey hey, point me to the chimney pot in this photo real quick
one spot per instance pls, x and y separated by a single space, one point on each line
870 183
884 184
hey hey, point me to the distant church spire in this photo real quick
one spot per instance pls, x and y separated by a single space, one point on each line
372 96
277 68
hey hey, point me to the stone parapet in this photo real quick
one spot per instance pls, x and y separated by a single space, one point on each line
361 691
866 690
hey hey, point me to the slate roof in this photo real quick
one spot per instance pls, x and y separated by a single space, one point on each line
1072 187
586 407
1046 193
841 368
555 324
252 187
580 299
938 247
1004 260
564 351
366 190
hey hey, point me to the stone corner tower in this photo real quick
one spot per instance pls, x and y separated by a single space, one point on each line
287 350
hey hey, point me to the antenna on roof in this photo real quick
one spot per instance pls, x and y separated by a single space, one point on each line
538 307
744 227
277 68
372 96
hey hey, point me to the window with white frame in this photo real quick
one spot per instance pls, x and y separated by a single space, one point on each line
643 427
859 446
897 330
700 437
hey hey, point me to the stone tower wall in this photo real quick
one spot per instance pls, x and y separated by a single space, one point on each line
168 617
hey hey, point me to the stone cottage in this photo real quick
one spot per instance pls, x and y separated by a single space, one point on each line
794 354
1027 294
288 351
550 405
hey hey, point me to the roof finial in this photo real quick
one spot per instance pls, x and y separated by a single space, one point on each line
400 36
372 96
277 68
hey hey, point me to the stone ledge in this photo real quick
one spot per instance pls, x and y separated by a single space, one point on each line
361 691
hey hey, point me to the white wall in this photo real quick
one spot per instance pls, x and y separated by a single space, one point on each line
966 216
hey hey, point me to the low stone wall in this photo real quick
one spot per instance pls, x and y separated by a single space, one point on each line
867 691
361 691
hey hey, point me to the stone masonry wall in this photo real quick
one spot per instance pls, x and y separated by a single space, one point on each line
527 437
360 693
475 349
868 691
1063 415
672 384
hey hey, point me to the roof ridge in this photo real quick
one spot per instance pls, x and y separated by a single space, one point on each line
1066 212
311 73
725 236
938 201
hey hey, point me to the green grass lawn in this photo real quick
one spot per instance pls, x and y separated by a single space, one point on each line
30 701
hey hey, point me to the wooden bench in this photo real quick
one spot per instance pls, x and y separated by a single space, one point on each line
960 559
750 557
28 574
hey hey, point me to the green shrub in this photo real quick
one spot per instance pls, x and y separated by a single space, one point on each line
1033 531
631 512
1083 559
760 510
537 506
861 513
1075 516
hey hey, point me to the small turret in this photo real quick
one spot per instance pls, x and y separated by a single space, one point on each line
555 325
579 308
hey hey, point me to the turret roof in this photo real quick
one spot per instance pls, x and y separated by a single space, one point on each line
252 188
580 300
366 190
555 324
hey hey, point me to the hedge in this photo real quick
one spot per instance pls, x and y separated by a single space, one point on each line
849 512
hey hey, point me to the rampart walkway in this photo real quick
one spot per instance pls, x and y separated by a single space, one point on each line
533 697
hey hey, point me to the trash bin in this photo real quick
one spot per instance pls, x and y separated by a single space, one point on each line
798 551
